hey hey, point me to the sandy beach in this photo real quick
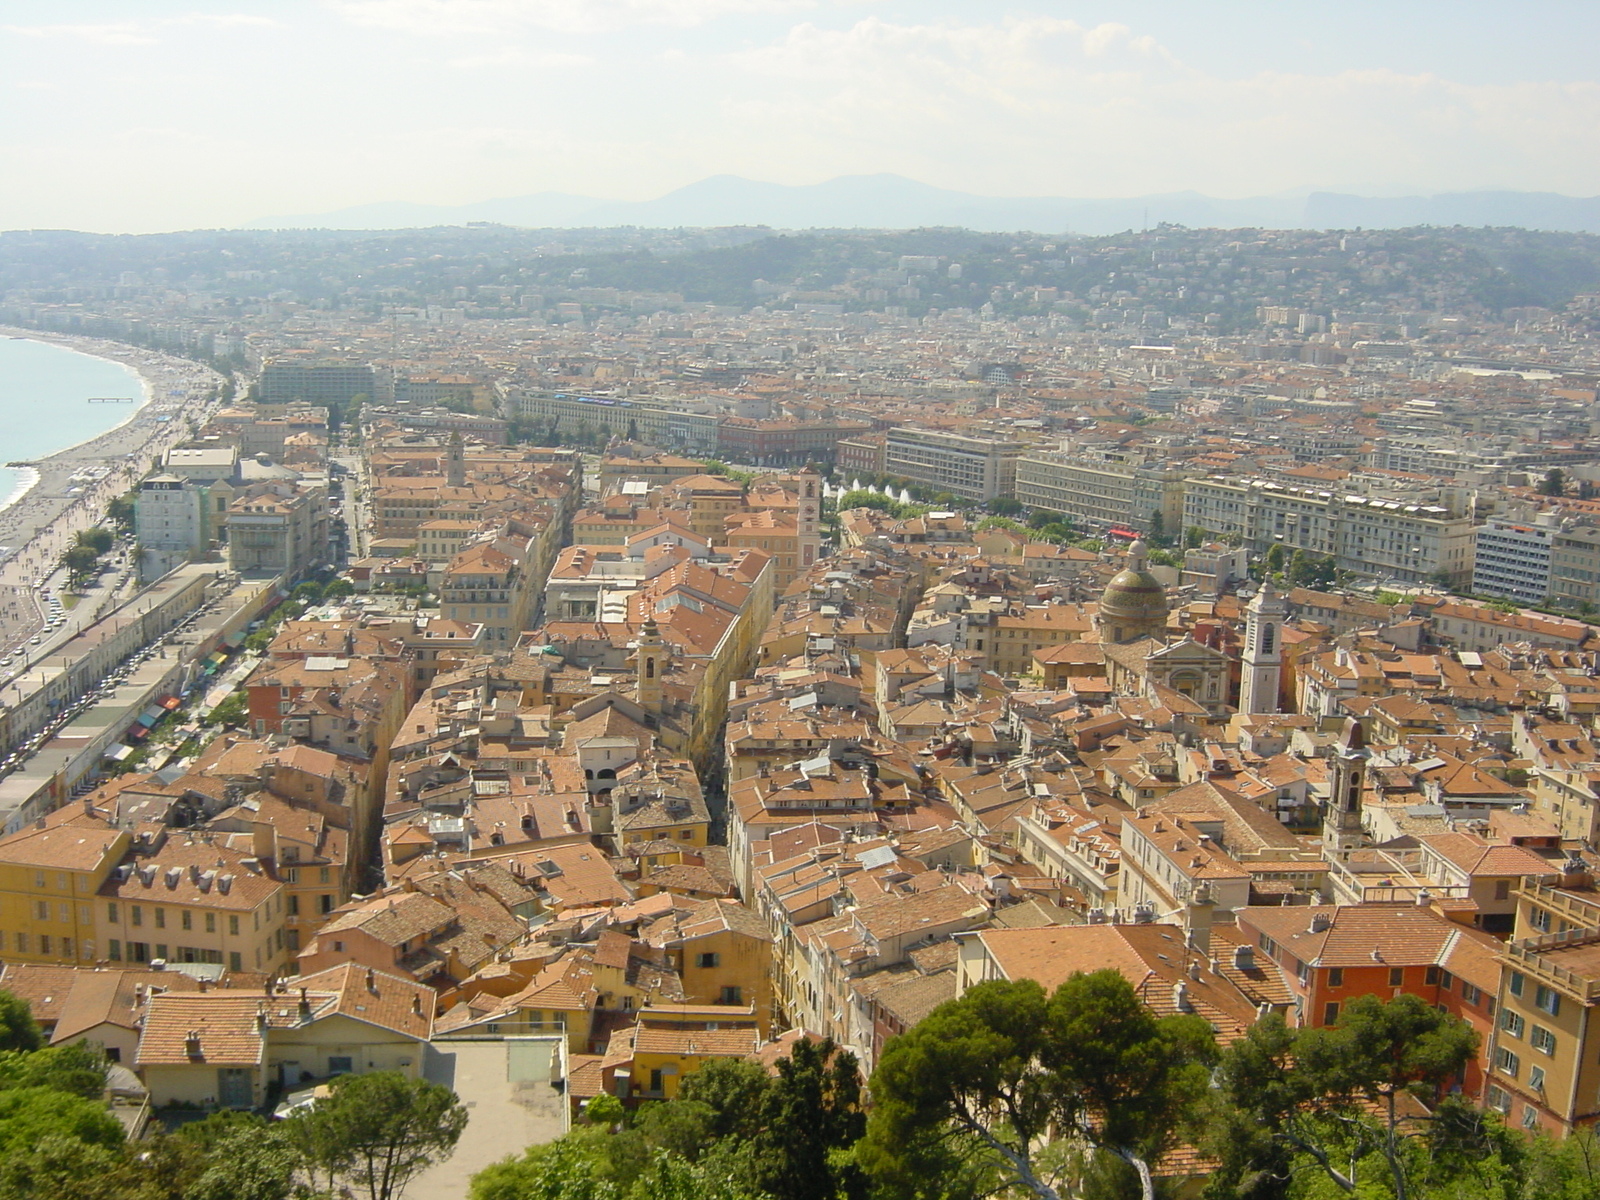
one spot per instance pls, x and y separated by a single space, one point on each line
74 486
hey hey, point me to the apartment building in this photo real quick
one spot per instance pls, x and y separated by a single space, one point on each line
1512 559
285 380
1101 493
1545 1047
967 465
1393 539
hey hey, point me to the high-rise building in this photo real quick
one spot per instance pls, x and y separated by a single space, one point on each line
971 466
1512 559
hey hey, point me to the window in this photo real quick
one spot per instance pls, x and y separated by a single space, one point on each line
1397 976
1542 1040
1330 1012
1470 994
1536 1078
115 951
1530 1117
1335 976
233 926
1499 1099
136 913
1502 889
1446 981
1506 1062
1540 919
42 908
1431 976
44 943
161 950
731 995
340 1064
188 919
211 922
161 918
294 905
1511 1022
707 960
1547 1000
325 903
235 963
322 875
1518 981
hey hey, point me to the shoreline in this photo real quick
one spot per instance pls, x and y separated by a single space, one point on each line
71 488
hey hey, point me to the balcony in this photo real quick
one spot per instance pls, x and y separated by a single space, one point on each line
1530 956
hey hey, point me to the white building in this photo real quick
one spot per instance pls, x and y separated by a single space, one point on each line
1512 559
966 465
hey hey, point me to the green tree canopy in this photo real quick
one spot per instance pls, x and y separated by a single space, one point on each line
1287 1096
18 1029
377 1132
1005 1066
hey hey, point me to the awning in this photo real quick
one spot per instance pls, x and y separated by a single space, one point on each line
170 702
118 753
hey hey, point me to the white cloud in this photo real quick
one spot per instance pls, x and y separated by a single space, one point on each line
435 18
517 57
139 33
121 33
1043 105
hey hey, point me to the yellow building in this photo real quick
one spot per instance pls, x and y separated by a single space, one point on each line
50 875
650 1060
188 899
1543 1065
723 953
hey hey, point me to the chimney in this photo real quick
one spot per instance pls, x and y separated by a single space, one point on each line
1424 897
305 1005
1244 958
416 1004
1180 997
191 1044
372 981
1319 923
1575 873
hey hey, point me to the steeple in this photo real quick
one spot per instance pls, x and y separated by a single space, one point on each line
1262 676
455 462
809 518
1341 823
650 663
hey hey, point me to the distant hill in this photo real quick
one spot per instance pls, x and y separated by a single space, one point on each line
895 202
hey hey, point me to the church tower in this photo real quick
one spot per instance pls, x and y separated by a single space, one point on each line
809 518
650 664
1262 676
455 463
1341 823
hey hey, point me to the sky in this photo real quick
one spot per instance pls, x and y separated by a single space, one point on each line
145 115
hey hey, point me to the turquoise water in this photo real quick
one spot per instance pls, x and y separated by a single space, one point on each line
44 393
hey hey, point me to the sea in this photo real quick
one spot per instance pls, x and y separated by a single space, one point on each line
44 404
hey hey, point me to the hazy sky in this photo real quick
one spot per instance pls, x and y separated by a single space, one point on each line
133 115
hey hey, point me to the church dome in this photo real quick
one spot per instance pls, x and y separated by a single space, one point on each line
1134 603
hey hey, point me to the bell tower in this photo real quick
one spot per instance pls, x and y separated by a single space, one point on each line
1341 823
650 663
455 463
1262 676
809 519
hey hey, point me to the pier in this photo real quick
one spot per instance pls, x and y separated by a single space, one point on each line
112 400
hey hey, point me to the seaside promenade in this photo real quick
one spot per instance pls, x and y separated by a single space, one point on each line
74 486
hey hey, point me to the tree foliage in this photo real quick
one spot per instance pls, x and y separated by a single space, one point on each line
377 1132
1005 1065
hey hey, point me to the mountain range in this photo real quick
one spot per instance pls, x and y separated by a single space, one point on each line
894 202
